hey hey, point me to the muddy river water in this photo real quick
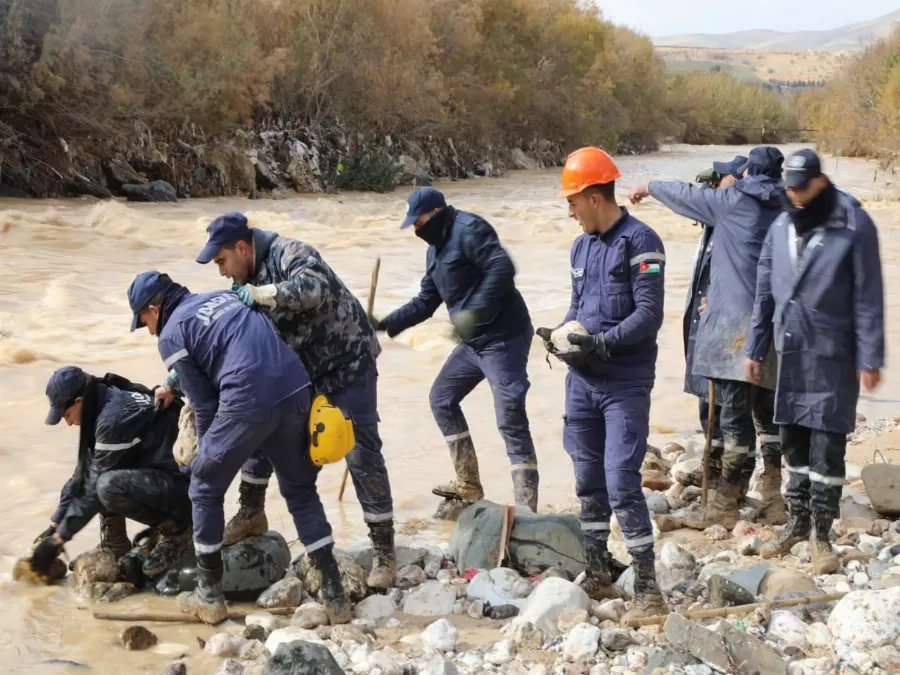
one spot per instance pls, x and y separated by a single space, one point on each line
66 267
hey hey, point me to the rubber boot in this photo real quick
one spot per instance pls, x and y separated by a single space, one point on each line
173 542
824 559
721 510
695 477
525 488
648 599
331 595
797 530
250 520
384 559
598 581
467 486
113 538
207 601
774 511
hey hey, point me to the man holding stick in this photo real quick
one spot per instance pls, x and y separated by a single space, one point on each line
324 323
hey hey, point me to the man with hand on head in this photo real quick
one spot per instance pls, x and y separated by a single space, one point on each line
250 393
468 269
820 301
324 323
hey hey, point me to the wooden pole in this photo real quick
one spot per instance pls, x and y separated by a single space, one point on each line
710 427
739 609
178 617
370 305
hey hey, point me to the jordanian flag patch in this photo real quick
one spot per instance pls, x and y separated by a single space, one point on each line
649 267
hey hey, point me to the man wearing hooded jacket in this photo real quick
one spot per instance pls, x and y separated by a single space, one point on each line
820 300
741 216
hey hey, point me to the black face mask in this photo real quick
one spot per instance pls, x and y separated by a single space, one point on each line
816 212
432 232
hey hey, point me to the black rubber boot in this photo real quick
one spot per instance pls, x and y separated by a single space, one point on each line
173 542
332 596
525 485
648 599
797 530
251 518
598 574
207 601
384 560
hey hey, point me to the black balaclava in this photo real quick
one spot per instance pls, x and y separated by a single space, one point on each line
814 213
435 230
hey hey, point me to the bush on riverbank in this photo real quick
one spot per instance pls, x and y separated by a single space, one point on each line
858 112
154 81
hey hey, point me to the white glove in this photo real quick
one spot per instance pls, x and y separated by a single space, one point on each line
252 295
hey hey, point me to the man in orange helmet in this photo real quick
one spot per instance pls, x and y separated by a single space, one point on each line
617 297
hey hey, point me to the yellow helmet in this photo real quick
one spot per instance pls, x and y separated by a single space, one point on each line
331 434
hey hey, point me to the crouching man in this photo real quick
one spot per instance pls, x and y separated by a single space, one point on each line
125 468
250 392
820 297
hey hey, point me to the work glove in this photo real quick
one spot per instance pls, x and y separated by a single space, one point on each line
710 177
590 344
464 324
377 324
46 533
43 555
252 295
575 358
544 334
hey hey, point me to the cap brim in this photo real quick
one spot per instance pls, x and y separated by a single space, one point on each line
408 222
722 168
208 253
136 322
54 416
797 181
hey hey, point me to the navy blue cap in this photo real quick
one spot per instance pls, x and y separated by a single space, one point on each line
732 168
223 230
423 200
767 158
801 167
142 290
63 387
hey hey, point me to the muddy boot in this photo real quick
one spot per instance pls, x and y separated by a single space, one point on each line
796 531
467 486
173 542
207 601
598 581
774 511
648 600
824 559
331 595
114 535
384 560
695 477
250 520
721 510
525 486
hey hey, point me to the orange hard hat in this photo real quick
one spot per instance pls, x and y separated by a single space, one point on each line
587 167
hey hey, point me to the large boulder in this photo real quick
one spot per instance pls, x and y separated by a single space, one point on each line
538 541
303 658
865 620
119 173
236 166
154 191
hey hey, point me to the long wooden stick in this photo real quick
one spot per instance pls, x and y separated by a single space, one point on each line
710 426
738 609
178 617
373 284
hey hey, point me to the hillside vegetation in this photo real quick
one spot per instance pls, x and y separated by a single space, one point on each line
82 81
858 112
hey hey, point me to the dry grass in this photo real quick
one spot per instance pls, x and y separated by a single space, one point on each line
758 66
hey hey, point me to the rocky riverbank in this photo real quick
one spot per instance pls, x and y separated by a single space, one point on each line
269 161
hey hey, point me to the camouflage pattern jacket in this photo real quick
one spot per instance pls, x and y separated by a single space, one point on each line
316 314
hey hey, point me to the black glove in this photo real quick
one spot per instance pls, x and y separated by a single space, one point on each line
591 344
43 556
544 334
464 325
46 533
377 324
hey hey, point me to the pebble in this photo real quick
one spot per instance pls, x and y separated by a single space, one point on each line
440 636
499 653
788 629
224 645
655 480
285 593
264 619
255 632
410 577
432 569
345 632
609 610
310 615
582 642
137 638
672 555
617 639
860 579
716 533
842 587
750 546
476 609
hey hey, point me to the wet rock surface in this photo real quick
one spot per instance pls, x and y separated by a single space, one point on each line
137 638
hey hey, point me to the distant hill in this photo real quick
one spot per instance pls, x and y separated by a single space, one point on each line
757 67
847 38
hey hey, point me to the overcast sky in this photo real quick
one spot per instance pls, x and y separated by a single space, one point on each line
675 17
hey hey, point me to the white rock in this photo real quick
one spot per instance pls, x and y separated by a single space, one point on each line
437 665
818 635
560 337
501 586
842 587
609 610
476 609
672 555
289 634
864 620
863 662
581 643
224 645
498 654
551 598
637 659
444 576
750 545
860 579
430 599
310 615
460 607
393 623
656 502
432 569
869 544
788 629
854 566
252 650
473 661
701 669
440 636
375 607
382 662
264 619
340 656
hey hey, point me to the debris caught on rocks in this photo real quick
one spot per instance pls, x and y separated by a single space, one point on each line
137 638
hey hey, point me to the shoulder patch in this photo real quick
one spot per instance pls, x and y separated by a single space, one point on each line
577 272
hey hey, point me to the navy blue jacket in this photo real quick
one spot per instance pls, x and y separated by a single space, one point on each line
618 290
697 291
129 434
228 358
824 312
470 271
